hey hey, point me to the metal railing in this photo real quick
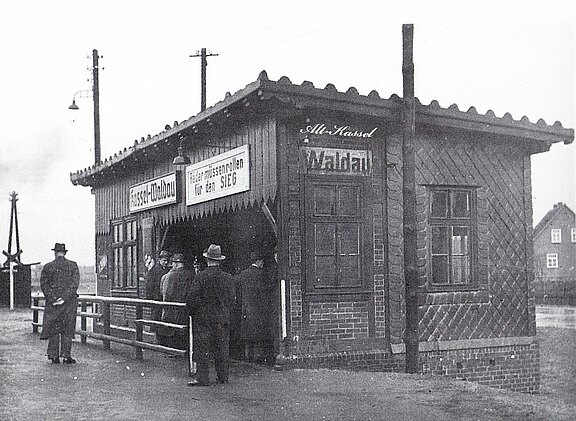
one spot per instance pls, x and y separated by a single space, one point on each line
104 317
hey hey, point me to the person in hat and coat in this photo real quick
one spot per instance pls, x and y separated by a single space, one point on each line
175 286
155 274
210 300
256 307
59 282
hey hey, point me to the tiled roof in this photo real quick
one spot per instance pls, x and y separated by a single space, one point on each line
549 217
306 95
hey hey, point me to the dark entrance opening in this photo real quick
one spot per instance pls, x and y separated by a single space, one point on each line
239 233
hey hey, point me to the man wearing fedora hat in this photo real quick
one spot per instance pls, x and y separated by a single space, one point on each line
59 281
175 286
153 278
210 300
255 310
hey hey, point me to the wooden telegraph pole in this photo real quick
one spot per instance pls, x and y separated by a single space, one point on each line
13 259
203 63
409 202
96 97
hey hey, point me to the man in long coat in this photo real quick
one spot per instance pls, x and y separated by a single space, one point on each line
153 292
59 282
176 285
210 301
255 322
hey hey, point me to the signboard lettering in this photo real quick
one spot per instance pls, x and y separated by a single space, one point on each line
344 161
219 176
337 130
159 191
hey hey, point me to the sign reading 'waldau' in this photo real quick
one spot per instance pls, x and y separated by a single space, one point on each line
219 176
159 191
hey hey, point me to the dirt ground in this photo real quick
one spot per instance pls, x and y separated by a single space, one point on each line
114 385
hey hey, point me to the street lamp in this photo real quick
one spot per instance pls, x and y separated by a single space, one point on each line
181 160
95 94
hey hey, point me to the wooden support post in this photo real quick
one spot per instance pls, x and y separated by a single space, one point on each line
106 323
35 303
139 330
83 326
409 203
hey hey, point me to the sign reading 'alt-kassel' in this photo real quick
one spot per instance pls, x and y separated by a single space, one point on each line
159 191
219 176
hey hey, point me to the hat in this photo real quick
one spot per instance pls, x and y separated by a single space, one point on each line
60 247
214 253
164 254
178 257
255 255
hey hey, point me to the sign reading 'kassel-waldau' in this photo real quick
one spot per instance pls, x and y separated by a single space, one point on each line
159 191
219 176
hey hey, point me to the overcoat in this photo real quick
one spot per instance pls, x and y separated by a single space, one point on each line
153 288
210 300
178 282
59 278
255 305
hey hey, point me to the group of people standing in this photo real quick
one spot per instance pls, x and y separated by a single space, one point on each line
215 300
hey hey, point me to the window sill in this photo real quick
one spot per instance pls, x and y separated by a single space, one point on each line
338 295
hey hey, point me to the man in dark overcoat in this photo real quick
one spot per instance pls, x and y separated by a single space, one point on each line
177 285
59 282
210 301
255 329
153 278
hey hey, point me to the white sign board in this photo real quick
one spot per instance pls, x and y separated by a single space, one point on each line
159 191
219 176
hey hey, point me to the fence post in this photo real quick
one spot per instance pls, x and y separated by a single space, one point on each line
106 323
83 309
139 330
35 303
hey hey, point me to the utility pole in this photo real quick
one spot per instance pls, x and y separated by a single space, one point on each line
409 201
13 259
96 97
203 63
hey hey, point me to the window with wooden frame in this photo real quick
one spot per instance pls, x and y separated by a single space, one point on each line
556 235
336 236
552 260
125 254
452 238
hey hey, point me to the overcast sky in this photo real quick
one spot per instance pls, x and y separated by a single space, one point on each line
509 57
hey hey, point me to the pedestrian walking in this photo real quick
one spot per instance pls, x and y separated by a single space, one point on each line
209 302
176 285
255 329
155 274
59 282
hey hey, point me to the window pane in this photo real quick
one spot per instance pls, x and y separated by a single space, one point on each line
118 267
460 241
131 231
460 269
439 204
324 200
325 239
349 239
349 200
461 204
325 271
132 269
439 269
350 270
439 240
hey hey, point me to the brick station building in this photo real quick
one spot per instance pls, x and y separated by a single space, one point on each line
317 173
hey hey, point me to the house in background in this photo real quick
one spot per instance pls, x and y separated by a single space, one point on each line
555 256
555 244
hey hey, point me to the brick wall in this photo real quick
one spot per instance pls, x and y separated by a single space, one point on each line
339 320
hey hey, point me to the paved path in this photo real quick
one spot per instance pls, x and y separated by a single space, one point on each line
115 386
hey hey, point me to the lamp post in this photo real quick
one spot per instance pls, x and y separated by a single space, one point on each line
96 97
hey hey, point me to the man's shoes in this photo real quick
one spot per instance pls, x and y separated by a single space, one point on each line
196 383
69 360
222 381
55 360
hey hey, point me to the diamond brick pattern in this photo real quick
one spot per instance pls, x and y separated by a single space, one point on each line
500 307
